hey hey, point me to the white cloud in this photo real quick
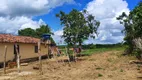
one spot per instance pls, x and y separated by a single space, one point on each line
18 14
12 25
29 7
57 37
106 12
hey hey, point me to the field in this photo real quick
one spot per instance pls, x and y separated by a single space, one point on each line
97 64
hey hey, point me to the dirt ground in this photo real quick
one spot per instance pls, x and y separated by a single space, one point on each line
109 65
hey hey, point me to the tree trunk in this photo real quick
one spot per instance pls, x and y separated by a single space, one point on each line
80 45
138 44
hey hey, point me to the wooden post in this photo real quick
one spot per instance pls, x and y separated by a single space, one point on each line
48 54
4 64
67 53
47 44
40 63
75 57
18 58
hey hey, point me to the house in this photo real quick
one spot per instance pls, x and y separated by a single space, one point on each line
27 47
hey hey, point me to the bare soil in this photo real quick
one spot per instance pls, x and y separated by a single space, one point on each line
109 65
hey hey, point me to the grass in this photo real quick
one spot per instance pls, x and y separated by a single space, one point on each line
100 75
99 68
121 70
138 67
92 59
109 59
88 52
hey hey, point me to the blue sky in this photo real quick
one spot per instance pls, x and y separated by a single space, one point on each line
33 13
132 3
54 22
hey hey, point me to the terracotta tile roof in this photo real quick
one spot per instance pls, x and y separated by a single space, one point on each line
17 39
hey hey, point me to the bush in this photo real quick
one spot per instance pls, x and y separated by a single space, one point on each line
137 53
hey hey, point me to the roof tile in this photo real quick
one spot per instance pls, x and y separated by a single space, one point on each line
17 39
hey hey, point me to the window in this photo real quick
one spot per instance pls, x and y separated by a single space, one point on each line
36 49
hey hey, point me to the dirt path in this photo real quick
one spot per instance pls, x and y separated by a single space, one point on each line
103 66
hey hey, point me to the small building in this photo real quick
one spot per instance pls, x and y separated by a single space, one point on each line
27 47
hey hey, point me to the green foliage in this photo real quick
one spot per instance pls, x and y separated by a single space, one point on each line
27 32
44 29
77 27
137 53
133 25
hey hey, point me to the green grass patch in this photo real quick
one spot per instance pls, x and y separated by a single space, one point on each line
121 70
89 52
100 75
99 68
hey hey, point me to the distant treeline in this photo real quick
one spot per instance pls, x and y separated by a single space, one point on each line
92 46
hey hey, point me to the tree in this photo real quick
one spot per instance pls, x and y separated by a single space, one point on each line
132 28
27 32
78 26
44 29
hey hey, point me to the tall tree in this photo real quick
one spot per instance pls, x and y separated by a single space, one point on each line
132 27
78 26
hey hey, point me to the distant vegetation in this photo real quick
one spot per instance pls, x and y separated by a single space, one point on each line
93 46
37 33
98 48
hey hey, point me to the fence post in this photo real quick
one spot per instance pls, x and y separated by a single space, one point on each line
4 64
18 58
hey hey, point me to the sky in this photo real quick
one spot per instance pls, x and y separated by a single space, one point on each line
33 13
